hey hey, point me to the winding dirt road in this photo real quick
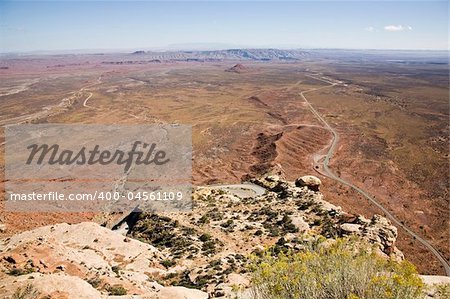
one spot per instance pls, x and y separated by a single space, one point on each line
321 165
53 109
86 100
82 90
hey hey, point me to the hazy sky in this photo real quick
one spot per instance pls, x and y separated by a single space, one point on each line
28 26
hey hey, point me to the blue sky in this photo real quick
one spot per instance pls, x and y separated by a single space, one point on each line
30 26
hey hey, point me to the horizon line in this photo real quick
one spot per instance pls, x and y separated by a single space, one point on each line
168 49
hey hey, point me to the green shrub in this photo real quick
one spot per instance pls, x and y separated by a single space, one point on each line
95 281
338 271
204 219
116 290
168 263
26 292
205 237
20 271
228 223
116 269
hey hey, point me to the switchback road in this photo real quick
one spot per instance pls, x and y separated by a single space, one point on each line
326 171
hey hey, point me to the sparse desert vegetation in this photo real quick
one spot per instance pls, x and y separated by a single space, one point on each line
342 270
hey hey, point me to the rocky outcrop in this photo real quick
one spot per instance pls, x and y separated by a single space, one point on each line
309 181
207 249
378 231
305 191
84 260
238 68
272 183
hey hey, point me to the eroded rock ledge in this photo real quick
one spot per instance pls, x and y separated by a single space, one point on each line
201 253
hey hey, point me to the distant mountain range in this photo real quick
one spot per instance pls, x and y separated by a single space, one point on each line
241 55
230 54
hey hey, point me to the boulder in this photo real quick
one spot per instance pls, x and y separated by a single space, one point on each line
311 182
350 228
300 223
348 218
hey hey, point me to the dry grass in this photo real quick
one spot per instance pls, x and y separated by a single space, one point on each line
339 271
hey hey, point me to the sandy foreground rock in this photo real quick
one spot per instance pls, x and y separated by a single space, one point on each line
71 259
71 287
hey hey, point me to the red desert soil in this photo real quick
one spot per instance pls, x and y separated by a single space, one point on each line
243 126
